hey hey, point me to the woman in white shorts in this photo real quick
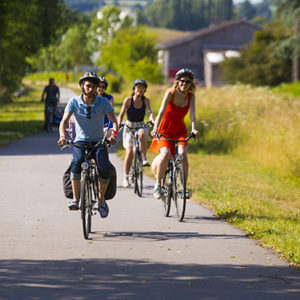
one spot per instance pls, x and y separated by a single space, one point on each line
135 107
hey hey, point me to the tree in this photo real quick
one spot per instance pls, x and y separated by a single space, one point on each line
25 27
289 10
257 64
247 11
132 54
188 14
72 52
103 28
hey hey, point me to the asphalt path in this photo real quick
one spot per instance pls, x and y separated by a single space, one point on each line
135 253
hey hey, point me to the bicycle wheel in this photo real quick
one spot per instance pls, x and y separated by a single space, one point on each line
179 189
167 194
48 120
138 170
84 199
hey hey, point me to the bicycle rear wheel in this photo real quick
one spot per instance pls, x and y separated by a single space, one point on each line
85 213
179 191
138 172
49 120
167 193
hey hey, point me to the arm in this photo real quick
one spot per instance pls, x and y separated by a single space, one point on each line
123 110
62 128
193 115
161 112
149 112
112 102
112 117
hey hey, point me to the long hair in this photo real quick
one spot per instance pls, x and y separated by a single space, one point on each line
191 89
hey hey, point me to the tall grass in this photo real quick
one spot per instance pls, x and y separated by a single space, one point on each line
256 124
246 164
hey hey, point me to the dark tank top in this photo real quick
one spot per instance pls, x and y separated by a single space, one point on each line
136 114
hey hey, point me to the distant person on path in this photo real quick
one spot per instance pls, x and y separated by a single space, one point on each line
178 100
135 106
52 94
89 111
101 91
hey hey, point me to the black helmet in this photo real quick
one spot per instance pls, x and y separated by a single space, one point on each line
184 72
140 81
103 79
91 76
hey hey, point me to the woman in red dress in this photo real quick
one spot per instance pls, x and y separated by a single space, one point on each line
176 103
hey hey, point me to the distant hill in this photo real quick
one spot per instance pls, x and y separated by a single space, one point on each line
90 5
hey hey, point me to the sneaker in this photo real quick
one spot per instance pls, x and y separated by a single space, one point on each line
73 205
145 162
157 191
103 209
188 194
126 182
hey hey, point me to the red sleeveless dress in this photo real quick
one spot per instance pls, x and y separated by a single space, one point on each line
172 126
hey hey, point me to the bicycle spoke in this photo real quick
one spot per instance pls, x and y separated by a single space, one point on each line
166 197
84 198
179 192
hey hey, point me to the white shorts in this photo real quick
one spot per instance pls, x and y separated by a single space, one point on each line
128 137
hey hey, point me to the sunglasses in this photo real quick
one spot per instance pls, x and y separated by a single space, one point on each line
88 112
185 81
102 87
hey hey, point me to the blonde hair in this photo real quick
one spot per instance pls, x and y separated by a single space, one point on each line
191 89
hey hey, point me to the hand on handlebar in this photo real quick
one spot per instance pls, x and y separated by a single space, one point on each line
62 141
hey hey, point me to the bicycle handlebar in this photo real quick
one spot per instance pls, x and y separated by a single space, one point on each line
159 135
147 124
70 142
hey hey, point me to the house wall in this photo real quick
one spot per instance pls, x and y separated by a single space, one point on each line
190 54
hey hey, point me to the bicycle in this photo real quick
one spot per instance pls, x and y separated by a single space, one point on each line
174 181
136 169
88 184
49 117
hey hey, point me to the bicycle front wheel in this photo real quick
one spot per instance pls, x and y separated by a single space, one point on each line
85 213
138 172
167 193
179 191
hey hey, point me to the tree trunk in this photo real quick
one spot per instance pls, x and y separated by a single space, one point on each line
295 63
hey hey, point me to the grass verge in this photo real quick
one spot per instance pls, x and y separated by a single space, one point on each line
22 117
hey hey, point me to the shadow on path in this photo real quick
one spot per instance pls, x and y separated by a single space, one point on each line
142 279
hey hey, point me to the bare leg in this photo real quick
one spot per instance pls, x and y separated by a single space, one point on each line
76 190
161 163
183 150
102 190
128 160
143 142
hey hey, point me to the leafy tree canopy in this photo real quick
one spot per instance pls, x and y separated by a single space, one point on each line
25 27
132 54
257 64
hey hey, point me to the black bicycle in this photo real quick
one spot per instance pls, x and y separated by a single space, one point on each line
174 182
136 169
89 189
49 117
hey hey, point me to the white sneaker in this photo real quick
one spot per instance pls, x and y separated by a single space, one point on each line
126 182
145 162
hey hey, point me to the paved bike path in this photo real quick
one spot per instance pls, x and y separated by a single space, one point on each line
136 253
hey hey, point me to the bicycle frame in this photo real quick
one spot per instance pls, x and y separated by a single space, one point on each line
175 188
136 170
89 183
